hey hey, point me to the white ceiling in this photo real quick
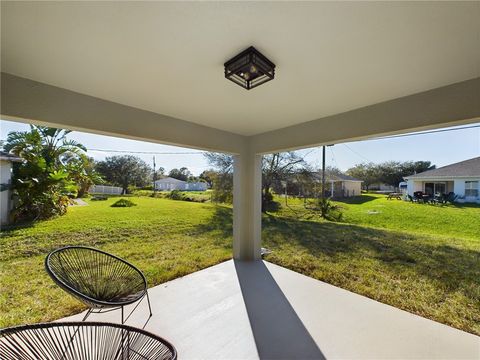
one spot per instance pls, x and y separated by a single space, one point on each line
168 57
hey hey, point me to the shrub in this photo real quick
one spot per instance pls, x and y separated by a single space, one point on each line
329 210
99 197
123 203
175 195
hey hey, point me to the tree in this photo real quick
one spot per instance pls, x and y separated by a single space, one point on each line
82 171
368 173
42 183
181 174
415 167
393 172
221 177
389 172
332 170
125 171
275 167
209 177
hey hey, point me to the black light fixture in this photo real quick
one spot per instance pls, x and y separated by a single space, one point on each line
249 69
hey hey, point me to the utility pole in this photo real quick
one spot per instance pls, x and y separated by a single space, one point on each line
323 173
154 175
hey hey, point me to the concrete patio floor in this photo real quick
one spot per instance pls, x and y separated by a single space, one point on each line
251 310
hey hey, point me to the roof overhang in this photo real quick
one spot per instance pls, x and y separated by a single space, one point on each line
30 101
154 70
442 178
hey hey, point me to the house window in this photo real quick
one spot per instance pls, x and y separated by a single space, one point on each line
471 188
435 188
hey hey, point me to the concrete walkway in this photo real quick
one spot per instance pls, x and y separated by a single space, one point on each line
251 310
79 202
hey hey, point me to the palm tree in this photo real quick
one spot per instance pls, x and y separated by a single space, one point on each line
82 171
49 143
42 183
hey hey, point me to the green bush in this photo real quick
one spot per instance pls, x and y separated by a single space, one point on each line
329 210
191 196
175 195
99 197
123 203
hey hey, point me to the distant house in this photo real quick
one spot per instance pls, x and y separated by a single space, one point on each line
6 160
340 185
169 183
462 178
381 187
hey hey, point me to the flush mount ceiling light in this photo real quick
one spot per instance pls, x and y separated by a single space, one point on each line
249 69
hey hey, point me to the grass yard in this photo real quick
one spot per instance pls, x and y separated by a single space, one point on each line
421 258
164 238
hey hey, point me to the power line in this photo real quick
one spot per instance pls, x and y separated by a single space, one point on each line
356 153
333 156
424 132
378 138
149 152
411 134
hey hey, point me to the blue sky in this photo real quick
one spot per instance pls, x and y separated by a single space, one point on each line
441 148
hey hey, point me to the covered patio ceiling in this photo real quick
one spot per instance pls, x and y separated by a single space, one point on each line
154 71
167 57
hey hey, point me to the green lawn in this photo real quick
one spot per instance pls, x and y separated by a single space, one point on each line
421 258
164 238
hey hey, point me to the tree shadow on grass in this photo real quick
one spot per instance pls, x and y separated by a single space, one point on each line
454 267
360 199
220 223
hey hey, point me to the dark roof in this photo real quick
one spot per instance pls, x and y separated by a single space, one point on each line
10 157
170 180
334 177
468 168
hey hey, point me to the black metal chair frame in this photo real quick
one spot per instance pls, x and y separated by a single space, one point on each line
97 306
82 341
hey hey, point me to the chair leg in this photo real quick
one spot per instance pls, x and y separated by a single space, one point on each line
87 314
122 314
149 306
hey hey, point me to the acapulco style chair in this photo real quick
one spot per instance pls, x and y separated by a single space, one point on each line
82 341
102 281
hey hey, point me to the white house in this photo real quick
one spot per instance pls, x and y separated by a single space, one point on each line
169 183
340 185
6 161
462 178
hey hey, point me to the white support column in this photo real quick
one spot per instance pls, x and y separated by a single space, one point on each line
247 206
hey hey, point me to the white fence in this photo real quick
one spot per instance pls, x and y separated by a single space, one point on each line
104 189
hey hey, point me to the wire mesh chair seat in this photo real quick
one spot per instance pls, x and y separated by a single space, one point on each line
98 279
82 341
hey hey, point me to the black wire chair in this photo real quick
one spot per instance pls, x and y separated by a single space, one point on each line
82 341
104 282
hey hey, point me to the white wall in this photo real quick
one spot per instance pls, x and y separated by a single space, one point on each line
459 187
183 186
173 185
5 203
352 188
105 189
196 186
413 186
